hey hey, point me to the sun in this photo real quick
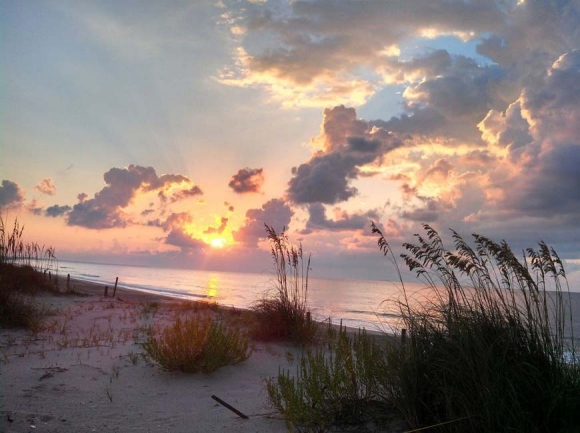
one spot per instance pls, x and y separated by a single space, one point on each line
218 242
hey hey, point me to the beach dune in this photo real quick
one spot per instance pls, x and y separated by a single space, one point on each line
85 372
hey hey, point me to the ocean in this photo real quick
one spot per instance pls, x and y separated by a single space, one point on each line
356 303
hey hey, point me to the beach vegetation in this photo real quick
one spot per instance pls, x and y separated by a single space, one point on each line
341 384
197 343
23 267
489 347
493 348
283 313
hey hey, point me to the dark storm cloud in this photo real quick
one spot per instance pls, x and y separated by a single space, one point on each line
348 143
11 195
276 213
56 210
247 180
318 220
123 185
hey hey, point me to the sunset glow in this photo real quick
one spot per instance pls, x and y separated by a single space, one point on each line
218 242
168 134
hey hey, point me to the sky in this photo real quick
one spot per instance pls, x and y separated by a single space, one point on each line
168 133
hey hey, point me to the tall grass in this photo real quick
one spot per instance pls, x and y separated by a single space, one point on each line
490 349
22 265
15 251
490 353
283 313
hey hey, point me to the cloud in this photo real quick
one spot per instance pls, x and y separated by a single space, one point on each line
540 137
34 208
247 180
46 186
342 221
348 144
427 213
179 238
276 213
56 210
173 221
105 210
220 229
321 53
176 227
11 196
181 195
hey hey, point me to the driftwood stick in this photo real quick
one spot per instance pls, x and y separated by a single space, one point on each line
233 409
115 289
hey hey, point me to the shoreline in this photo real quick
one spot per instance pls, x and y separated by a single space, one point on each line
135 294
85 371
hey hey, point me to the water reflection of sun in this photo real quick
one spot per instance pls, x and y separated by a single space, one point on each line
212 287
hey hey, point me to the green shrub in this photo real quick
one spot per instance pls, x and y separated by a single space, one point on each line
198 343
283 314
334 387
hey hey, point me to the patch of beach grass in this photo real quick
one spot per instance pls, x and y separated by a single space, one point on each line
283 312
340 385
22 267
198 343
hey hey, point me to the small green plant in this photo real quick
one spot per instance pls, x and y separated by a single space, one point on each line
197 343
334 387
284 313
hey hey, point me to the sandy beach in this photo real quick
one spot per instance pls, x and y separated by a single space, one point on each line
85 372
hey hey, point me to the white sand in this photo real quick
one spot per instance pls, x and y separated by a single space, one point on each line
86 374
